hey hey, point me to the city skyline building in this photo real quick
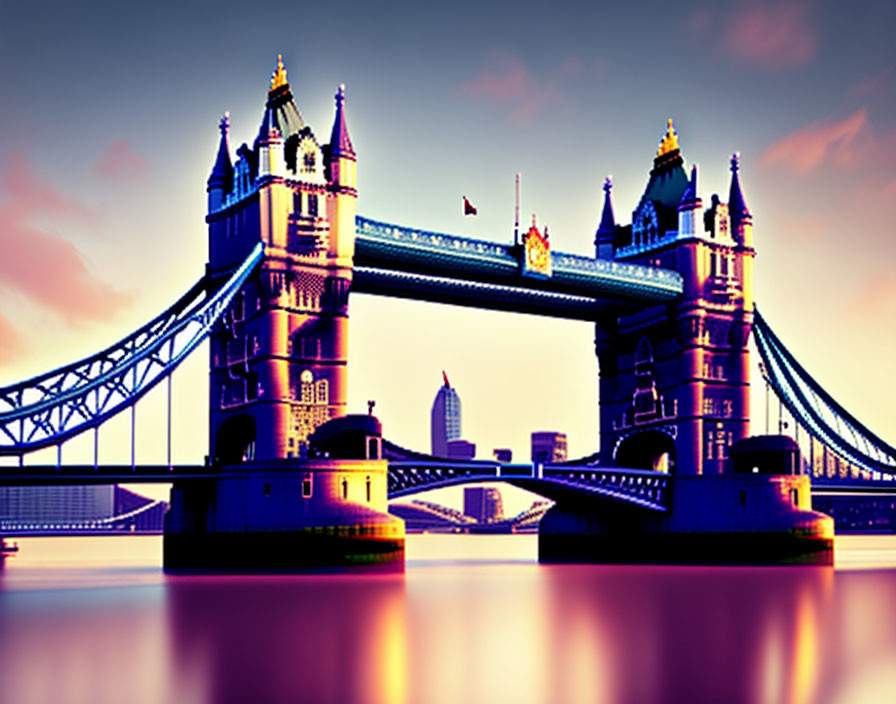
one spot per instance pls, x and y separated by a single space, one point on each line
483 503
548 446
461 450
445 419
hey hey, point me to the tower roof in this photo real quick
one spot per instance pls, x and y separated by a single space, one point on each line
737 206
281 112
222 172
668 179
607 218
340 142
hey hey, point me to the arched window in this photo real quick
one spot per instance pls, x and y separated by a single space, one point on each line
344 488
323 391
307 382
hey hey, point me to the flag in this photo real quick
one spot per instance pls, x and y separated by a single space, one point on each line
469 208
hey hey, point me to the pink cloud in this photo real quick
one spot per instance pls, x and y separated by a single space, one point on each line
41 265
11 344
771 35
120 161
841 143
27 196
512 85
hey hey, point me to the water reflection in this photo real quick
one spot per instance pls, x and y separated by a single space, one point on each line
470 621
288 639
694 634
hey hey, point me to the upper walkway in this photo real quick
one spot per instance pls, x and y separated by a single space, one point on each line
422 265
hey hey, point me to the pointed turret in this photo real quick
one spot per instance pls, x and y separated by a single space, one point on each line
341 165
220 182
607 219
689 208
340 142
736 203
606 231
741 218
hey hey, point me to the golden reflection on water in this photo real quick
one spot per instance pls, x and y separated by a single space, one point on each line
473 619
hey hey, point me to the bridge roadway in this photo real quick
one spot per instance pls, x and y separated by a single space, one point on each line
643 488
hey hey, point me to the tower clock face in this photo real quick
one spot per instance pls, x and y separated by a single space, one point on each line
537 254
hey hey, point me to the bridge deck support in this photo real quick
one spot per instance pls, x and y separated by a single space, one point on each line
285 516
714 519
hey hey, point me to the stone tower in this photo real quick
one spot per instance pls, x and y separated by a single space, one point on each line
674 380
278 358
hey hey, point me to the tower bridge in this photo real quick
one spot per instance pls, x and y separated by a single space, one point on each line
670 296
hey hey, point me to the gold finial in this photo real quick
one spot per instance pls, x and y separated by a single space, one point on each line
279 77
670 140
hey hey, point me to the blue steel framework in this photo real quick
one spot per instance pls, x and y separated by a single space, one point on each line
413 263
813 408
49 409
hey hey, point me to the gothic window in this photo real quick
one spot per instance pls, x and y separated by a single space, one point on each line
297 202
344 488
312 204
644 224
323 391
368 489
307 387
308 162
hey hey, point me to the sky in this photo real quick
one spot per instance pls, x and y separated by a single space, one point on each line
108 131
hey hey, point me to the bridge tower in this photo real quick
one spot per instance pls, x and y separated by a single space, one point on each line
298 483
674 380
278 363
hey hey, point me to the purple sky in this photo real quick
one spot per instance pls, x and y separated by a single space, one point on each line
108 132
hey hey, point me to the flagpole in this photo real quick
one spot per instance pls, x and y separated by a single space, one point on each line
516 214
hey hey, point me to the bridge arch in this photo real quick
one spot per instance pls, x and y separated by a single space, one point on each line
235 439
647 449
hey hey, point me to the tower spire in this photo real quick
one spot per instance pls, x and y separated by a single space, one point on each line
737 206
607 218
669 142
278 78
340 142
221 178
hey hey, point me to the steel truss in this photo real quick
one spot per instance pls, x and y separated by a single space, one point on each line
814 408
53 407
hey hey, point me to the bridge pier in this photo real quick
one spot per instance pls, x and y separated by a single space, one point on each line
728 519
284 516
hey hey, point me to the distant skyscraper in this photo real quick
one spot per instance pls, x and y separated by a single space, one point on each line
548 447
483 503
445 418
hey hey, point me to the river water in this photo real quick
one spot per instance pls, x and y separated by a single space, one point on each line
472 619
